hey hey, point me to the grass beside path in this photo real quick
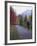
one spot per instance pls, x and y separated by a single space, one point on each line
13 33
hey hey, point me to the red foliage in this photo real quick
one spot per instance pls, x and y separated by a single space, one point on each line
12 16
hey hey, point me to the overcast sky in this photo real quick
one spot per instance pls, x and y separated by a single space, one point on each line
20 9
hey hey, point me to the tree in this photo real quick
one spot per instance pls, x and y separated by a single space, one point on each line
21 20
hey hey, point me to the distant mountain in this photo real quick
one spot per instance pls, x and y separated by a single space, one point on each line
27 13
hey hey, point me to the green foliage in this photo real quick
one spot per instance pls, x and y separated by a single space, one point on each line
21 22
30 17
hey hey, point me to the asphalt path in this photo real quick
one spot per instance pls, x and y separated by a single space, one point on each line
23 32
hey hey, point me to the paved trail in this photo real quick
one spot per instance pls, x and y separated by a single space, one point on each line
23 33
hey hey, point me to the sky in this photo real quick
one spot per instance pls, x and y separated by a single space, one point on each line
20 9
